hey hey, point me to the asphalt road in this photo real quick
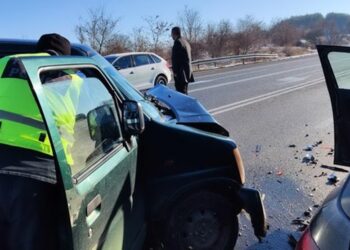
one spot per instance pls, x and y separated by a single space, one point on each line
266 107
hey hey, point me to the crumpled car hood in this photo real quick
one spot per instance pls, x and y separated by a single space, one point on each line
188 110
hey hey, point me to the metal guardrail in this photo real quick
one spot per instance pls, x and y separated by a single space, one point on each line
242 58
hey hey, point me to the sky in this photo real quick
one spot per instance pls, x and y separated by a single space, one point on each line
29 19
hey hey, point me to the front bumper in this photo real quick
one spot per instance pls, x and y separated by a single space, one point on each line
253 205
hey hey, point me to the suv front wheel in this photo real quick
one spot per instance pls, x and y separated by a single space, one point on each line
202 220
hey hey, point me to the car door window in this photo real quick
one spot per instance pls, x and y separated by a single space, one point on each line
141 60
156 59
123 63
85 115
340 63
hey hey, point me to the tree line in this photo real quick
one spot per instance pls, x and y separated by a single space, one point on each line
247 35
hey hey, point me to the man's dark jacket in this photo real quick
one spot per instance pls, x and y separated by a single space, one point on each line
181 61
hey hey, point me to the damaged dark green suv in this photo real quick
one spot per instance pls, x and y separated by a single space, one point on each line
171 176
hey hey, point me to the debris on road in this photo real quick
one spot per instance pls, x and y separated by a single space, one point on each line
257 149
309 159
308 148
316 144
307 135
307 214
299 222
291 145
302 224
279 172
335 168
321 175
332 179
279 181
270 172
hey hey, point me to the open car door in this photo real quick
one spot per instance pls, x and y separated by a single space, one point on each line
336 68
97 167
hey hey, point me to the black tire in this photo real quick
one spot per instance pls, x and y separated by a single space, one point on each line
201 221
161 80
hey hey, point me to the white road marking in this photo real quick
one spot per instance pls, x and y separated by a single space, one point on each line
199 82
292 79
248 79
249 101
232 74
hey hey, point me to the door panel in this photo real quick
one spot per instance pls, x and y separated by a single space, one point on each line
143 69
336 67
126 68
98 170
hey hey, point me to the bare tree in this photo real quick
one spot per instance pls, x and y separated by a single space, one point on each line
97 30
157 29
218 38
210 40
250 34
285 34
191 25
139 40
118 44
332 35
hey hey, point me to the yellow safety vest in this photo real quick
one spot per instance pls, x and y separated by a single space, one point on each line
64 108
21 123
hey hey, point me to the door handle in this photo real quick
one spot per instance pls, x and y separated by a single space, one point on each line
94 205
131 72
152 68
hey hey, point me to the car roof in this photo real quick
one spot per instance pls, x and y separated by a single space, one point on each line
129 53
10 46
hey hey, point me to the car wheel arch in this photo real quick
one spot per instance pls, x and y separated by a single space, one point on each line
223 186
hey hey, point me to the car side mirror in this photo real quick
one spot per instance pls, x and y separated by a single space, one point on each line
102 124
133 118
117 67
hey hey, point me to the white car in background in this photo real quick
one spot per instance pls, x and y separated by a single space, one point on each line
141 69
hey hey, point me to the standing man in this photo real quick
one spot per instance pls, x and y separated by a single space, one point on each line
181 61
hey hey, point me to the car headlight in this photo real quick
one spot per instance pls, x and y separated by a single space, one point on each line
239 163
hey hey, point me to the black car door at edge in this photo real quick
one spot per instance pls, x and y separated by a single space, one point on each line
336 67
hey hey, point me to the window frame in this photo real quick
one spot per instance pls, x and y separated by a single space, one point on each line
131 62
117 100
134 57
153 56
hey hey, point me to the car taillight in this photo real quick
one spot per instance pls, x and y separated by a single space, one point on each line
168 65
306 242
